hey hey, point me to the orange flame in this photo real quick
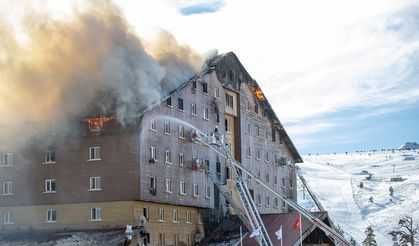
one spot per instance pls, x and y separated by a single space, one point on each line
96 124
259 94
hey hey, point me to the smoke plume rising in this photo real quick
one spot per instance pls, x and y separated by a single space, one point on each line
89 63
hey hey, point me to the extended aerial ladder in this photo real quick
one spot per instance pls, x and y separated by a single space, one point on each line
252 218
247 212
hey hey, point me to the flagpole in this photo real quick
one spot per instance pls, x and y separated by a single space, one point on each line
301 233
281 236
241 236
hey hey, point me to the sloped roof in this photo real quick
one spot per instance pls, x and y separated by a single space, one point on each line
229 230
226 63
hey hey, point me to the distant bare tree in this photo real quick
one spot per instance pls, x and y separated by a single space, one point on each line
405 233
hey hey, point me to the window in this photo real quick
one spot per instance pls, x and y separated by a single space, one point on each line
257 132
259 199
181 132
268 201
168 186
276 203
94 153
249 128
264 113
7 217
49 156
228 125
267 177
169 102
273 135
283 205
181 160
180 104
174 216
161 240
217 118
291 185
256 109
199 218
146 213
194 85
50 185
188 217
206 113
182 188
168 157
95 214
266 156
283 182
193 109
205 88
195 190
207 191
153 153
51 215
153 125
218 167
7 188
257 154
206 163
161 215
95 183
248 152
276 181
266 134
152 183
7 159
167 128
229 101
216 92
247 105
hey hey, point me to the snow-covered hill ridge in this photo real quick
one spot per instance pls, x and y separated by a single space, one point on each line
336 179
409 146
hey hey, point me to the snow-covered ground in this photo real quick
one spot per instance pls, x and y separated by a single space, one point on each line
336 178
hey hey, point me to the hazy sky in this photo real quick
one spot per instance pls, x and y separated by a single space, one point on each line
341 75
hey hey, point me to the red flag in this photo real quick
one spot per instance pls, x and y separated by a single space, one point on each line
297 223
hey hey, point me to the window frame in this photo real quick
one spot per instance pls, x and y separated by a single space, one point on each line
160 215
94 153
167 128
168 186
51 216
188 217
181 159
193 109
95 214
175 217
95 183
7 188
181 132
49 157
195 190
50 186
7 159
206 113
168 157
182 188
180 104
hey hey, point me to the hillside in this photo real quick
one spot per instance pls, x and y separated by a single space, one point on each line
409 146
335 179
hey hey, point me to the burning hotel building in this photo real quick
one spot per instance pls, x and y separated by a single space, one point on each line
147 171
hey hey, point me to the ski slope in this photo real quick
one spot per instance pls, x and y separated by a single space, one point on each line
335 179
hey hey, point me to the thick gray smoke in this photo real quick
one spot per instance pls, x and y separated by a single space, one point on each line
89 64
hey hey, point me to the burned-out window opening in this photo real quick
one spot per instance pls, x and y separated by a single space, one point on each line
218 167
256 109
169 102
217 118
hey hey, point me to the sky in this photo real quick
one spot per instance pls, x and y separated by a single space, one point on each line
340 75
